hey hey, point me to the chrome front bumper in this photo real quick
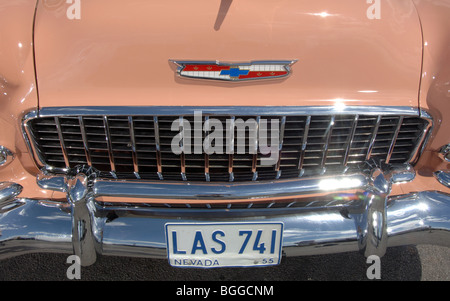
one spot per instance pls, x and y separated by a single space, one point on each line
86 227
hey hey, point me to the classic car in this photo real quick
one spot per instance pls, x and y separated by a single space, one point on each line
223 133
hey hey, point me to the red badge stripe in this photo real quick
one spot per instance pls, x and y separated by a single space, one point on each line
205 68
262 74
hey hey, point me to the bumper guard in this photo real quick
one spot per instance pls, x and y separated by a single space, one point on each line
83 226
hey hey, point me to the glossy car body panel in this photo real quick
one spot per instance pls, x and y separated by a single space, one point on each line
18 91
116 54
17 77
434 93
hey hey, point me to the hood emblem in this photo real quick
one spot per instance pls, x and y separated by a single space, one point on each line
216 70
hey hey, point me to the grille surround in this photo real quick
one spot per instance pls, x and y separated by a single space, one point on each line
124 150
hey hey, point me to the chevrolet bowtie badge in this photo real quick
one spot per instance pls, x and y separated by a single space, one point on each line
216 70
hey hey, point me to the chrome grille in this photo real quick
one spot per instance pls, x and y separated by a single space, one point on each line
139 146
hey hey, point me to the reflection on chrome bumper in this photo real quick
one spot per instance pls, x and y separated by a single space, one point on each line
85 227
443 177
9 191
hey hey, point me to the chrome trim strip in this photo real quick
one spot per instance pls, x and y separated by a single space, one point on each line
225 190
243 63
61 141
228 110
221 191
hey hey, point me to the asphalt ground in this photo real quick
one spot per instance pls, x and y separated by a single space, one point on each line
411 263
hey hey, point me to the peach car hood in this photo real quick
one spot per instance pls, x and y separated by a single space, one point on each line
118 52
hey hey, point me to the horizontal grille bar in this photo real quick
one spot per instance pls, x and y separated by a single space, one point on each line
139 146
330 201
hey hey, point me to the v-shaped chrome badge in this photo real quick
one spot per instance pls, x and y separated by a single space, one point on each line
216 70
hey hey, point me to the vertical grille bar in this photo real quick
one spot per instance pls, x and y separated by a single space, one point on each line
133 147
61 141
206 133
255 150
394 139
304 143
110 151
327 142
158 148
182 155
85 141
280 146
349 142
230 148
374 136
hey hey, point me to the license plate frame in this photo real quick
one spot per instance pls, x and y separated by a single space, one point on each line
224 244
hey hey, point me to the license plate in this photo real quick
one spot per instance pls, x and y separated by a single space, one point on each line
209 245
